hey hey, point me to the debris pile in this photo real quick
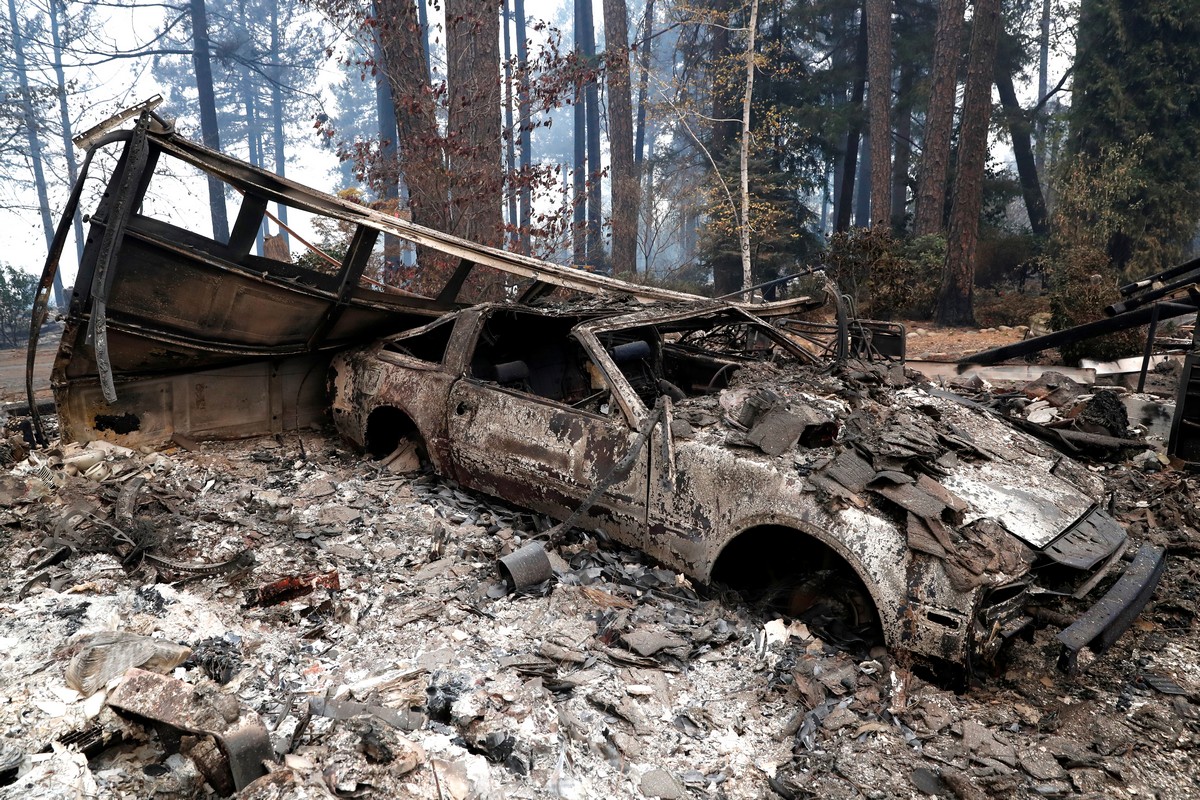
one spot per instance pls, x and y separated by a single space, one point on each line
277 618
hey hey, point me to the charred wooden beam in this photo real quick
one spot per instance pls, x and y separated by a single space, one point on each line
1165 290
1130 319
1167 274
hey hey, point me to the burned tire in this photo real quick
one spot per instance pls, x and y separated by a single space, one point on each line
392 438
784 571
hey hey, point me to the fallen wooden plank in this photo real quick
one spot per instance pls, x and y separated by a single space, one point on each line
944 370
1124 366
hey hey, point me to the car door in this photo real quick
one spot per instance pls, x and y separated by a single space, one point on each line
511 440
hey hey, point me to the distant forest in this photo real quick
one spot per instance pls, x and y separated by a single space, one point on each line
931 155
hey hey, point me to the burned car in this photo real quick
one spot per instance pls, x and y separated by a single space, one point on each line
718 445
695 431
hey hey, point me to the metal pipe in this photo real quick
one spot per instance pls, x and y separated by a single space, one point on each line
526 567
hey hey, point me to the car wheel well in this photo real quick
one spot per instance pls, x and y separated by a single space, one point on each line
386 428
791 572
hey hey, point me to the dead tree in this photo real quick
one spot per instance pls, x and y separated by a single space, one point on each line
954 304
939 119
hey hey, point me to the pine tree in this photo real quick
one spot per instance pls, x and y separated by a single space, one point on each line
1137 73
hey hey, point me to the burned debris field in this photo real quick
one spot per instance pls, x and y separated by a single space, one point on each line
285 533
356 615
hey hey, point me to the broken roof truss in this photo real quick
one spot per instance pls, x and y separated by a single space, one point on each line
170 331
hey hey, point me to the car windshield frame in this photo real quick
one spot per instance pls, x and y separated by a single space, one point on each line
632 406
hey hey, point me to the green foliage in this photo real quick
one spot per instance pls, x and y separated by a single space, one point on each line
1084 282
17 292
1001 188
1005 305
1135 79
1100 198
887 277
780 235
1000 256
1096 200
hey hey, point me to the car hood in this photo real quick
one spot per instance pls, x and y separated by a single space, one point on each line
934 455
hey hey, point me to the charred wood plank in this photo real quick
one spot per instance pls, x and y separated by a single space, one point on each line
1130 319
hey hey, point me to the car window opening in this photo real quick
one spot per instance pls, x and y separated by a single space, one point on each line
534 354
427 345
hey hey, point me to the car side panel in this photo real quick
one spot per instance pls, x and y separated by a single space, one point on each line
715 495
364 380
544 455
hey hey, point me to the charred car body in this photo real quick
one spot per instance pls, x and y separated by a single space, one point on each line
727 453
693 430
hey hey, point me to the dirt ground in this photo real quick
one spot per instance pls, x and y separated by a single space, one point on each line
935 343
401 665
12 371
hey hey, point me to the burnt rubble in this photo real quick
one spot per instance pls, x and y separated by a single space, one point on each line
419 674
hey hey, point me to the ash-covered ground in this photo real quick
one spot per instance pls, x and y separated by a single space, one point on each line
420 675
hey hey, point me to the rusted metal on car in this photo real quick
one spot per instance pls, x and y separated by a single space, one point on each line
948 517
171 332
943 513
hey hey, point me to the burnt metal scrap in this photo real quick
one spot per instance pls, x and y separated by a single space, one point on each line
1169 294
423 676
724 449
229 744
691 429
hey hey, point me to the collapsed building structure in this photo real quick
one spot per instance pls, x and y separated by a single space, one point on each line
755 453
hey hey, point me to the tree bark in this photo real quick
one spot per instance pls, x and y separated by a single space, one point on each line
939 119
418 139
526 126
254 136
209 131
725 115
624 179
278 144
954 304
591 104
1020 133
388 185
579 239
879 67
639 146
473 123
862 184
747 98
423 33
724 102
845 198
65 123
903 158
510 134
1043 83
31 137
